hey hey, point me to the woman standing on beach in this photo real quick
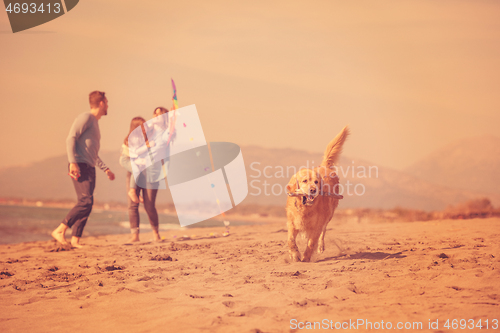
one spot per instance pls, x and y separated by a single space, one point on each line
134 191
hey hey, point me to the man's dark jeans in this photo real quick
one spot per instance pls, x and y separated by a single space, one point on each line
84 187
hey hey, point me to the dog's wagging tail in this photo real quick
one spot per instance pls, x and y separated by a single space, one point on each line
334 148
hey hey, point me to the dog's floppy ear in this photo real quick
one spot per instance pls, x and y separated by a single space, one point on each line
292 185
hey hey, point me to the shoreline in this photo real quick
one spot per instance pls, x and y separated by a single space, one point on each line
123 208
20 223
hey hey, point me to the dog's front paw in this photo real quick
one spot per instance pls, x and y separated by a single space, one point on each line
295 256
306 259
321 247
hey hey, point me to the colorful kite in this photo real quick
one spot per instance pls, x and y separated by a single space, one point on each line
175 106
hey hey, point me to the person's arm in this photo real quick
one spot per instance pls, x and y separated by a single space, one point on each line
172 130
124 157
101 164
144 148
104 168
171 136
79 126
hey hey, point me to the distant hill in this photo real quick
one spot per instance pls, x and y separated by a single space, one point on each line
471 164
381 187
386 189
49 180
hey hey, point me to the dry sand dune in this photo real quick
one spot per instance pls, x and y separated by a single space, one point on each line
391 272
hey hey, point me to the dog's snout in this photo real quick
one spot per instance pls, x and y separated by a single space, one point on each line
313 190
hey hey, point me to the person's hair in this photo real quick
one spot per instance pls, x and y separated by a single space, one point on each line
136 122
95 98
163 110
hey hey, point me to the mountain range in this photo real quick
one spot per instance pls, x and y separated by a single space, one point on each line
462 171
470 164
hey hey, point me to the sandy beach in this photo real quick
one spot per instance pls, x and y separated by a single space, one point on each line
418 272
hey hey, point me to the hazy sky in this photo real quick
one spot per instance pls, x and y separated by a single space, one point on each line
408 77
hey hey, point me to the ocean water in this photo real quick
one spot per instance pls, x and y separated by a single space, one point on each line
27 224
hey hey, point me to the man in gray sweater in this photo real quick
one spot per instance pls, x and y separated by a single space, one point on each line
82 146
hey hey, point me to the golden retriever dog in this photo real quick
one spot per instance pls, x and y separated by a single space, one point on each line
312 199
